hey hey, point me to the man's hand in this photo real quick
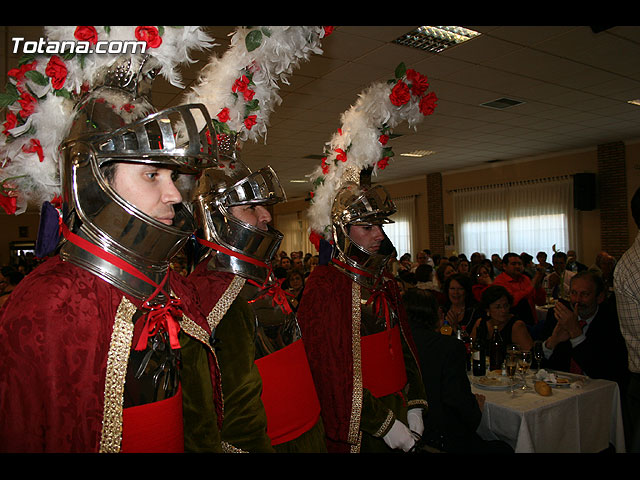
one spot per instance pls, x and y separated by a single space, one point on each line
568 319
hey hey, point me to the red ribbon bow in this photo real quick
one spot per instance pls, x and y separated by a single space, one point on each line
278 294
159 317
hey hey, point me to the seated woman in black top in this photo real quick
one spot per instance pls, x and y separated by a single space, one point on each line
460 308
454 411
496 304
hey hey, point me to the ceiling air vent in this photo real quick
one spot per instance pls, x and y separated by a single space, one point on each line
501 103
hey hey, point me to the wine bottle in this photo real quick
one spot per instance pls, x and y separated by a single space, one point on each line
479 356
466 339
496 351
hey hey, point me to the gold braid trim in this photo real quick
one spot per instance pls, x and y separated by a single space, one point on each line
356 409
117 361
386 424
228 448
225 301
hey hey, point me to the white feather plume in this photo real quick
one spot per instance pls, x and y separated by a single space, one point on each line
281 50
356 145
32 176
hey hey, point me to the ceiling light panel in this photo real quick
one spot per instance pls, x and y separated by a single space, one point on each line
436 39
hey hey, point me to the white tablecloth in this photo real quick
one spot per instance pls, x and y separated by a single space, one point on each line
571 420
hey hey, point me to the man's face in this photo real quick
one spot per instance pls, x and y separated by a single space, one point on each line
422 258
149 188
514 267
583 293
255 215
571 256
297 263
559 264
497 261
285 263
368 237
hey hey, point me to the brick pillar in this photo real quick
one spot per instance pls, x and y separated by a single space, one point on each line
436 213
612 198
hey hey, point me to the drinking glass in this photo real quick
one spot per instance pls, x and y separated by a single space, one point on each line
524 362
538 354
511 365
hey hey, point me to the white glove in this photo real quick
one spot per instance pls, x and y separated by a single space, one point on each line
399 437
414 417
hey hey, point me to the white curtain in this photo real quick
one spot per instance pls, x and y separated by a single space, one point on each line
295 228
402 232
528 216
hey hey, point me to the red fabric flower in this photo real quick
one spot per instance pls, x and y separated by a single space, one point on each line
241 84
400 94
428 103
18 73
250 121
419 83
10 122
28 104
149 35
127 107
342 155
328 31
383 139
315 238
325 167
8 203
223 116
86 34
382 163
57 70
34 147
248 94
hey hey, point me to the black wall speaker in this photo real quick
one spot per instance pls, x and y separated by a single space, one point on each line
584 191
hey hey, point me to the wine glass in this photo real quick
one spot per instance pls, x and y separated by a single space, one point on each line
524 362
538 354
511 365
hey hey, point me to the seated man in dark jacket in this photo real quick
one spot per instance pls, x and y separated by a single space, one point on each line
585 337
454 411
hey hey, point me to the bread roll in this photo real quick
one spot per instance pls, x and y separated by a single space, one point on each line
542 388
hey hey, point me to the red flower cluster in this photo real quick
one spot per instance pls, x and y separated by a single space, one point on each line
342 155
18 73
11 121
383 162
150 35
325 167
86 34
223 116
416 84
242 85
250 121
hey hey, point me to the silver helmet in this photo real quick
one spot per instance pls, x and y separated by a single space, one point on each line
238 247
363 206
117 123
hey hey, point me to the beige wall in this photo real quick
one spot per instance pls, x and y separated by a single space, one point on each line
567 163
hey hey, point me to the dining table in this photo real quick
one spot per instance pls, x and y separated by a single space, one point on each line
581 416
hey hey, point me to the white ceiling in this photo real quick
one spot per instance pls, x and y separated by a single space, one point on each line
574 84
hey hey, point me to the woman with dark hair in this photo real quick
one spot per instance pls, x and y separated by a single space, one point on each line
496 304
481 277
444 271
459 307
454 412
294 285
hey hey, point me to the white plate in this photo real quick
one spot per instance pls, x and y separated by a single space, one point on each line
492 382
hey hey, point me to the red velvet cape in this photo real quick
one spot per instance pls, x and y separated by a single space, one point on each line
55 331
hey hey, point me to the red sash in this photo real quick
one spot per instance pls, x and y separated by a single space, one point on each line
288 393
383 369
154 427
